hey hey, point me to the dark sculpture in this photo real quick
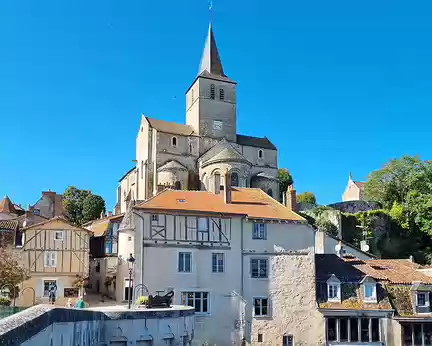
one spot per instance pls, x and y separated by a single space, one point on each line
158 301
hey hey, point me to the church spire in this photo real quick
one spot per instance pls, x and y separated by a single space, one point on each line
210 60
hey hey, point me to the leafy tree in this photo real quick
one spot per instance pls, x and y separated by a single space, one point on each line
285 180
306 197
12 273
81 206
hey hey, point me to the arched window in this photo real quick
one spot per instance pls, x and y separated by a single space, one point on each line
177 185
221 94
217 182
234 179
270 192
260 154
174 141
212 91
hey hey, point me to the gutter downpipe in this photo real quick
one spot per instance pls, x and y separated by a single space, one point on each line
241 257
141 247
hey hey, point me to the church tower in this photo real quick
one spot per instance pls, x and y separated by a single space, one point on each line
211 99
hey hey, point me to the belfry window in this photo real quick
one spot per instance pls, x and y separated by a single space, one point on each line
212 91
221 94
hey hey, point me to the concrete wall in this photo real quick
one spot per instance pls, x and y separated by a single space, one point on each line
43 325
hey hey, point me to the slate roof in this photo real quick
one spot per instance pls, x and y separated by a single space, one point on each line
227 154
265 176
259 142
210 60
170 127
250 202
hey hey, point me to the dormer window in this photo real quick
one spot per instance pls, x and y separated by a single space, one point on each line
421 299
212 91
221 94
369 288
174 142
333 289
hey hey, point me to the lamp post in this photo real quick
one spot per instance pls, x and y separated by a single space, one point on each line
131 262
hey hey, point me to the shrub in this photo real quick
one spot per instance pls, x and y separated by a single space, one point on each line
4 301
142 300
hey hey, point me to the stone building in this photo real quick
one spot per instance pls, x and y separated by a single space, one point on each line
354 190
195 155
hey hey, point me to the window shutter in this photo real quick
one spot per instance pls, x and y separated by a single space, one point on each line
54 259
39 288
60 287
46 259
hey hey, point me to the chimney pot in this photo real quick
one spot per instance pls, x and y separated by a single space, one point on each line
227 188
291 198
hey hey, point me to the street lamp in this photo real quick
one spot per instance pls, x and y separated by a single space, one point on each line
131 262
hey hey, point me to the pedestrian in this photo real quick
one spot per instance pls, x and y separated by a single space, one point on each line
80 303
52 293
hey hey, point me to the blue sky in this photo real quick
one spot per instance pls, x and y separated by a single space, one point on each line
337 85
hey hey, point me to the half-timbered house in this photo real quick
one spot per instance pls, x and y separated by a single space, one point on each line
54 252
221 253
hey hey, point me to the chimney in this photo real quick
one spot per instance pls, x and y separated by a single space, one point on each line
110 213
340 251
291 198
227 188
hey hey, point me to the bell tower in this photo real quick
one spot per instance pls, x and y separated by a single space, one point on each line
211 99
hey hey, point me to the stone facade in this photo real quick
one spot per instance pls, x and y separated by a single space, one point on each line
195 156
294 310
354 190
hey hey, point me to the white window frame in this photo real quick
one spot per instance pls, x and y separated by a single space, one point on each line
43 287
50 259
185 302
58 232
373 297
200 222
258 263
335 283
260 298
184 262
259 231
287 340
426 295
216 257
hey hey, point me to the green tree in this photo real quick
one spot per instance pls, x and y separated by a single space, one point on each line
12 273
81 206
285 180
306 197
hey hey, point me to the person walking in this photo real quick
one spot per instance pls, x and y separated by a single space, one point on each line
80 303
52 293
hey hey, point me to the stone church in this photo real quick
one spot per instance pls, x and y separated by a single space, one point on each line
197 155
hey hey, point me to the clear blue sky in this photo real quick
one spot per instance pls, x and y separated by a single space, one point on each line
337 85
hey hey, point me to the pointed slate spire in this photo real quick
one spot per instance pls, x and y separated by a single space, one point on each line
210 60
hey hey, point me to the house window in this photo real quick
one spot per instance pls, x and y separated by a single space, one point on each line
218 264
203 224
98 267
260 153
260 337
221 94
177 185
234 179
347 329
36 212
421 299
259 231
70 292
58 235
108 247
333 291
259 268
287 340
270 192
198 300
369 292
212 91
50 259
260 306
185 262
47 284
174 141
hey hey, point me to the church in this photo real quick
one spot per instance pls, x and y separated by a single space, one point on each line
197 155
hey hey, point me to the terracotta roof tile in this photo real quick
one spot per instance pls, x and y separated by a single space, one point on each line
250 202
359 184
6 206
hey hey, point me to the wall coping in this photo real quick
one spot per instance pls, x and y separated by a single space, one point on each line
18 328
